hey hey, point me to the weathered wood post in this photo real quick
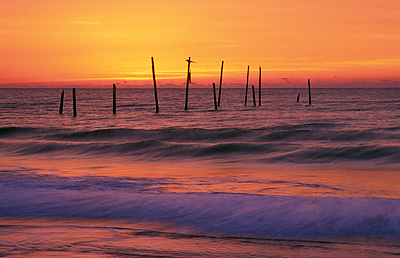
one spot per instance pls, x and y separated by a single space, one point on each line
254 95
298 97
259 87
247 86
114 99
188 80
155 86
220 84
74 101
215 98
61 103
309 92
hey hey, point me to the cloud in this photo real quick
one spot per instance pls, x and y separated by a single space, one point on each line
85 22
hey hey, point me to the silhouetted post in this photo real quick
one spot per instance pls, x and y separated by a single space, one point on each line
298 97
61 103
114 99
309 92
74 101
215 98
220 84
247 85
187 83
254 95
259 87
155 86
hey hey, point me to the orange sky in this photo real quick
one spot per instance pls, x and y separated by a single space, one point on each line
95 42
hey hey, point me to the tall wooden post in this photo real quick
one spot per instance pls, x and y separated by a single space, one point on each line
74 101
247 86
114 99
215 98
61 103
309 92
187 83
298 97
220 84
254 95
155 86
259 87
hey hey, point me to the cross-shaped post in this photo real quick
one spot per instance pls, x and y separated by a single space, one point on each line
188 80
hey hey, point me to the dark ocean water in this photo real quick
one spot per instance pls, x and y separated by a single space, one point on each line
283 179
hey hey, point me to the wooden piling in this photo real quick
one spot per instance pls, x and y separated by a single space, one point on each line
247 86
298 97
215 98
254 95
188 79
155 86
259 87
114 99
61 103
220 84
74 101
309 92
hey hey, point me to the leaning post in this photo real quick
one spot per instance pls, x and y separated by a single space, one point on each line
247 86
61 103
220 84
254 95
155 86
215 97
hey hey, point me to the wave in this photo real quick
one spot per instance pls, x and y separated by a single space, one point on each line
303 143
289 217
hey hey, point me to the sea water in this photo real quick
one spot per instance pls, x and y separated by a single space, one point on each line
284 179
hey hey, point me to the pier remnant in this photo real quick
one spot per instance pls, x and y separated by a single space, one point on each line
254 95
155 86
188 80
114 99
247 86
220 84
74 101
61 103
298 98
309 92
215 98
259 87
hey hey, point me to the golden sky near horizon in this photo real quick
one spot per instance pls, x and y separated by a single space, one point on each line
99 41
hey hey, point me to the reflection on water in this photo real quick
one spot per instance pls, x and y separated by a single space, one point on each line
104 238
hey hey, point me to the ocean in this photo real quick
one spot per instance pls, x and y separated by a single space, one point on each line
284 179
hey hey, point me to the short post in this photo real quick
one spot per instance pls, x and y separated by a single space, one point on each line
247 86
254 95
188 80
298 98
114 99
259 87
155 86
220 84
74 101
61 103
215 98
309 92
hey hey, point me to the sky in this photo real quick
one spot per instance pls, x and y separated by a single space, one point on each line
335 43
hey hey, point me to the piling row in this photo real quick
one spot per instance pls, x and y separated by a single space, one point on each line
188 81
